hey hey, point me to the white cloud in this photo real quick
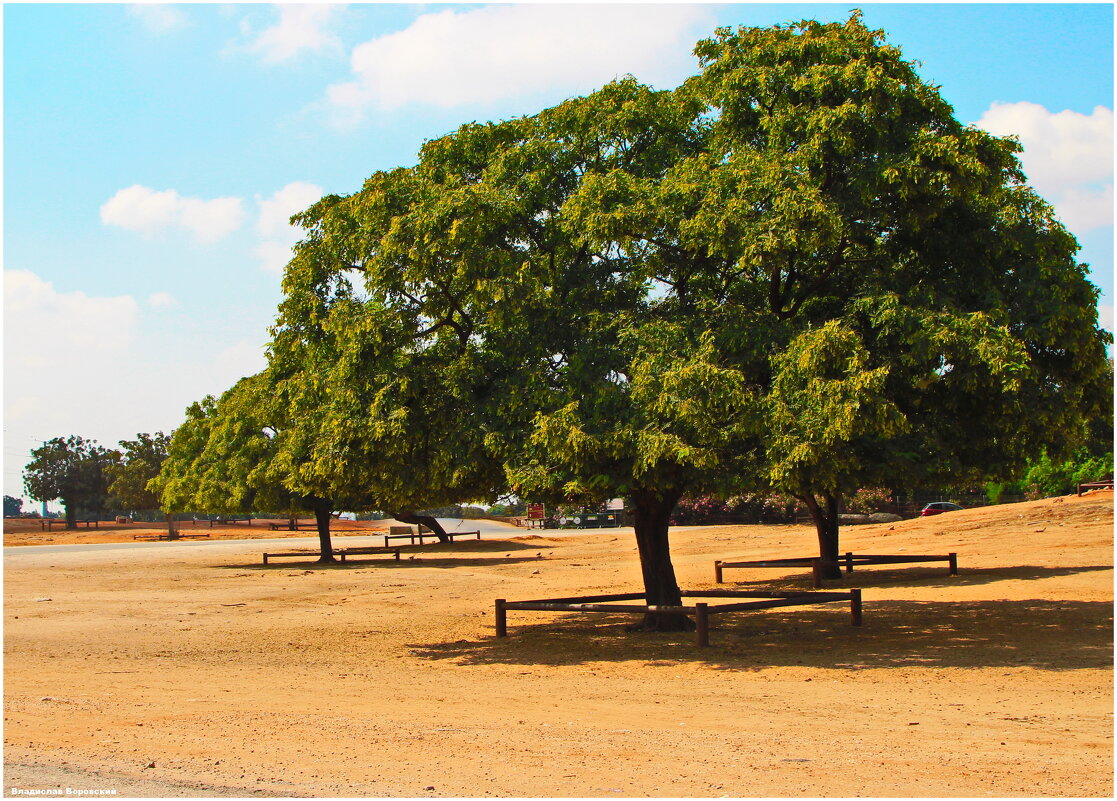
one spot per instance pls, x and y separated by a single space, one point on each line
100 368
1085 208
277 235
161 300
1105 316
139 208
159 17
301 28
1068 157
236 361
452 58
60 350
43 327
276 211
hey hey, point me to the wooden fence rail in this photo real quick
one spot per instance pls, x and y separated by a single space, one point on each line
700 610
848 561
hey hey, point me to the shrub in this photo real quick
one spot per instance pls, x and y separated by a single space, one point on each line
868 500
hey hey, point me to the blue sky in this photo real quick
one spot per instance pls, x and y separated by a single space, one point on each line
152 155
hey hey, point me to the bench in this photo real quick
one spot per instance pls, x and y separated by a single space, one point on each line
372 550
402 532
229 521
408 533
764 600
50 522
848 560
340 552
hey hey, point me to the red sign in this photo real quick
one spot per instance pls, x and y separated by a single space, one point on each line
536 511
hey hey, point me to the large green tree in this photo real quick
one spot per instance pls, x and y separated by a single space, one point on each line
796 271
935 321
71 469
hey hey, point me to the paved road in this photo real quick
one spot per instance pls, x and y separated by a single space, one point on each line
24 554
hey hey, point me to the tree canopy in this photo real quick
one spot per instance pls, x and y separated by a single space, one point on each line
796 271
13 506
140 461
71 469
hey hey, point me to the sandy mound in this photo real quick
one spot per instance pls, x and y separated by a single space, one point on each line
193 666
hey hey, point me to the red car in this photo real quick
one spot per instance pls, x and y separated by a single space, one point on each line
938 507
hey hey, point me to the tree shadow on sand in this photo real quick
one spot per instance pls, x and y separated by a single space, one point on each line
926 575
1039 634
428 555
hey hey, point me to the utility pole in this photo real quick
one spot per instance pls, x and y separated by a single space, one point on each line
44 473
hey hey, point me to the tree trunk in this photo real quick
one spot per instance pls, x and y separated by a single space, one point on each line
651 512
322 518
172 533
423 520
825 517
71 517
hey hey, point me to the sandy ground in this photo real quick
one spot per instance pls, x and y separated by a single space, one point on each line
165 669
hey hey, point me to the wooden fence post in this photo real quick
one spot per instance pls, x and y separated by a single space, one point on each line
702 621
849 562
501 618
953 563
855 606
717 571
816 573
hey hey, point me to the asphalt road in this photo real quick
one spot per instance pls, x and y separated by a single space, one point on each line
24 554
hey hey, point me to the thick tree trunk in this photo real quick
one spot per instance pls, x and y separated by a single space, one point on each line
651 512
423 520
172 533
825 517
322 518
71 517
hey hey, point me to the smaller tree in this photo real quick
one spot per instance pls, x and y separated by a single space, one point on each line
73 470
141 461
13 507
225 458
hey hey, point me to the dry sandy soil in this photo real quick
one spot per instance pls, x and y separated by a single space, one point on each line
192 670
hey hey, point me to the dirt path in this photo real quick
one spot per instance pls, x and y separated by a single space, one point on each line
201 671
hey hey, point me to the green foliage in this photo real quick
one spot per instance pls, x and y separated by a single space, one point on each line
13 507
222 458
141 461
1046 477
72 469
994 490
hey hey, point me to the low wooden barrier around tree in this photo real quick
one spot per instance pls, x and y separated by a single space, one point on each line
1095 485
848 561
700 611
341 553
289 526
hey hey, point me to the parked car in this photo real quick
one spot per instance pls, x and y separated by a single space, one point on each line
938 507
